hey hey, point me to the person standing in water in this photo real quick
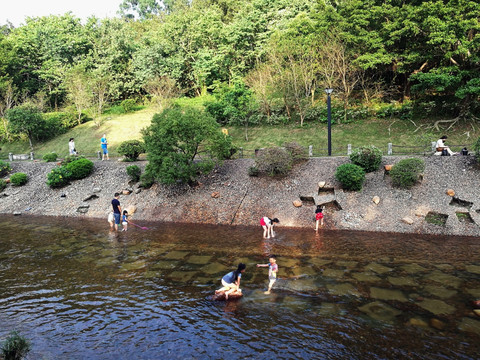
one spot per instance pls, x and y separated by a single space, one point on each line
272 271
117 210
267 225
318 217
231 281
104 144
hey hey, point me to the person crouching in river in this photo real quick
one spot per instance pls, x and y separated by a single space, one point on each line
267 225
231 281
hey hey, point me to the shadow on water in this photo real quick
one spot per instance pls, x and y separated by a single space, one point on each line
77 290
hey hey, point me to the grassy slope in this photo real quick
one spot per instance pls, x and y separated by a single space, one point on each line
373 132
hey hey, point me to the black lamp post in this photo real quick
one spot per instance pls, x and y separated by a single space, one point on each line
329 117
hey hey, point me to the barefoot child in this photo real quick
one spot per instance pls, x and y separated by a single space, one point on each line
125 220
272 271
231 281
318 217
267 225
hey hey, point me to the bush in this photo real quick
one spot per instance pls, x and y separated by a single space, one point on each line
58 177
15 347
128 105
367 157
253 171
297 152
131 149
134 172
80 168
4 168
476 149
3 185
18 179
274 161
407 172
69 158
50 157
351 176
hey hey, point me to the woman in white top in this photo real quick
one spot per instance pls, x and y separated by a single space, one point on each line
71 147
440 146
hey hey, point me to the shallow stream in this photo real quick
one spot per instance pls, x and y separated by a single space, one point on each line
79 291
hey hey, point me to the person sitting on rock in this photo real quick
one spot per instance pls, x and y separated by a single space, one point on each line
231 281
440 147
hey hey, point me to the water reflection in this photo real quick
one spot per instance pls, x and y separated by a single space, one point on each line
78 290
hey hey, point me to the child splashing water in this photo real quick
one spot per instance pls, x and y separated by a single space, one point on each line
267 225
318 217
231 281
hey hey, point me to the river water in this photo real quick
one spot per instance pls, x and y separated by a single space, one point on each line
78 291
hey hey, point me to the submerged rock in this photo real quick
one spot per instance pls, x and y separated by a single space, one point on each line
380 311
387 294
436 307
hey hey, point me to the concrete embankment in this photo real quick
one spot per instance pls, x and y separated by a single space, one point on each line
229 196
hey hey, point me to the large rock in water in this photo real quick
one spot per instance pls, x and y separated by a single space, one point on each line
220 296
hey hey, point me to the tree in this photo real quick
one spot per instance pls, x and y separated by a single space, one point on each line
77 83
163 90
182 143
27 120
7 100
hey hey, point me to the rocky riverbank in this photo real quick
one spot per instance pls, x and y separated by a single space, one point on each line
229 196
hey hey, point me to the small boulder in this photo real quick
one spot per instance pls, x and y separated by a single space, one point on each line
437 324
131 209
388 167
376 200
96 190
138 191
407 220
321 184
451 192
297 203
215 195
126 192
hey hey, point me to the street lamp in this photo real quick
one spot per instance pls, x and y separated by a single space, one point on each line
329 117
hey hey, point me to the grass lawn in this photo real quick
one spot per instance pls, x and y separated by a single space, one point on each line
378 132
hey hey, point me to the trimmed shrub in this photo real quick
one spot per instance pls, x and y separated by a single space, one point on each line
3 185
15 347
69 158
58 177
131 149
18 179
298 152
407 172
134 172
274 161
4 168
80 168
50 157
351 176
367 157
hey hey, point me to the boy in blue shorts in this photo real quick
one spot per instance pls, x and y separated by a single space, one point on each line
272 271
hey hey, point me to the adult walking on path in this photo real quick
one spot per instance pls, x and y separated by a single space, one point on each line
117 210
71 147
104 144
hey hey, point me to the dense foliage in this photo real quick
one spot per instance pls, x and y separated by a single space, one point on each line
265 61
5 168
134 172
3 184
476 149
131 149
79 169
273 161
182 143
407 172
351 176
18 179
58 177
50 157
368 157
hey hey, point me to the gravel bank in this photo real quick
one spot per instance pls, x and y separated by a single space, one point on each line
229 196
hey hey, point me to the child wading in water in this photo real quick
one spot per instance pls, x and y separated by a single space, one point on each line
125 220
231 281
318 217
272 271
267 225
